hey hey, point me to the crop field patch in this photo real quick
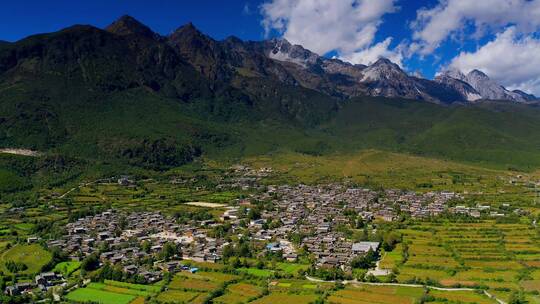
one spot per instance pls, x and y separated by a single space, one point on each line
443 261
177 296
67 268
531 285
181 282
239 293
376 295
461 296
216 277
141 287
408 273
128 291
262 273
292 268
494 264
478 274
83 295
392 258
280 297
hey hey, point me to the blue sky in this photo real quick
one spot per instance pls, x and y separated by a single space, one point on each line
422 35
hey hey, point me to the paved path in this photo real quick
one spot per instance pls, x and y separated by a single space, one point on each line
16 151
82 185
356 282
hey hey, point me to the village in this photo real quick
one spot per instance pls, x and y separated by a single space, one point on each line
316 213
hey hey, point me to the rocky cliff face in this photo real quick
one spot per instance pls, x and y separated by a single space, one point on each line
457 81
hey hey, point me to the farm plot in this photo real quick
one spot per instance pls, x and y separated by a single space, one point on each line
202 281
393 258
376 295
299 286
112 292
67 268
33 257
180 296
460 297
292 268
404 295
239 293
262 273
282 297
83 295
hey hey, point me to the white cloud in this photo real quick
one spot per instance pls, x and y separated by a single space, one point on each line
370 55
511 59
452 18
347 27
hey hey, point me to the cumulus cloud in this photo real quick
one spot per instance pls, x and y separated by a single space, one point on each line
453 17
512 59
371 54
347 27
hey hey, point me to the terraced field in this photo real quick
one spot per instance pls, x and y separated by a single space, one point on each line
404 295
500 257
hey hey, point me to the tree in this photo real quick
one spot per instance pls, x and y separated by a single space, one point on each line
15 266
365 261
168 251
90 263
360 223
390 240
228 251
145 246
254 214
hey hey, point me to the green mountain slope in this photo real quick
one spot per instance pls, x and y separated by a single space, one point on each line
492 134
107 102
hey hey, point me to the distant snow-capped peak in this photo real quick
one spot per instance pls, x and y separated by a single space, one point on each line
483 86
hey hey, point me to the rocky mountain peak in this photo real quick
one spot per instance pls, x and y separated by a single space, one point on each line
188 31
384 61
477 74
489 89
383 68
453 73
127 25
283 50
526 96
233 40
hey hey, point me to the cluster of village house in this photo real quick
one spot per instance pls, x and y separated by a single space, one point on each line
44 281
123 235
479 210
314 211
244 177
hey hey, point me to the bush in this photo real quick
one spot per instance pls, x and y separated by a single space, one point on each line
15 267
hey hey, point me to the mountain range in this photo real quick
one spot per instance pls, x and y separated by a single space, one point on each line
292 64
127 96
232 59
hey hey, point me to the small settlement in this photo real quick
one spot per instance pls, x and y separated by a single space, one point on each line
315 212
